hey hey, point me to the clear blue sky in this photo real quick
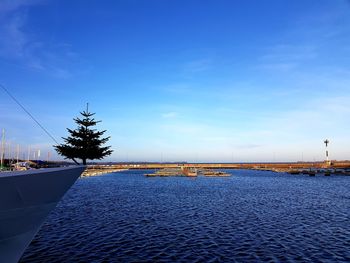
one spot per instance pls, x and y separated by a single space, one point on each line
178 80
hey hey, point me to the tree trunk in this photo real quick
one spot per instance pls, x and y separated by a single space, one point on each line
84 161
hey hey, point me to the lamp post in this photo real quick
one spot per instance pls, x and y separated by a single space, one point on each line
326 142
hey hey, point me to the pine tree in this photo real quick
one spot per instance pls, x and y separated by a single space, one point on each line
84 143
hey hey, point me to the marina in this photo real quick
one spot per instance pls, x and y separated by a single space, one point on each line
174 131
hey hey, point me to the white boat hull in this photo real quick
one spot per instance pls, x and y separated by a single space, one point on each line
26 198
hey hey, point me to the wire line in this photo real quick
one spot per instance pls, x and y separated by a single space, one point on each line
30 115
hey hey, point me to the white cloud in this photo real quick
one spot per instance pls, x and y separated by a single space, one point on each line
279 66
286 57
198 65
26 50
178 88
182 129
289 52
316 118
14 40
169 115
12 5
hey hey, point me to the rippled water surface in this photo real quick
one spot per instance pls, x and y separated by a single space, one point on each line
250 217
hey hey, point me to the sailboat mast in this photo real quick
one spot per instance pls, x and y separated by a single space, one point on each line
28 154
17 153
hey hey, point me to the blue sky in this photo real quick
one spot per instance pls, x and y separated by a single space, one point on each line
181 80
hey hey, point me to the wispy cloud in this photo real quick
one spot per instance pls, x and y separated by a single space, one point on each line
311 41
316 117
286 57
13 42
27 50
182 129
169 115
248 146
178 88
289 52
197 65
12 5
327 23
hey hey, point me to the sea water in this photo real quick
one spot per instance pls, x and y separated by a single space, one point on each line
251 216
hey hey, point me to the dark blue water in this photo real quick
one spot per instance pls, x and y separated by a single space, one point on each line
252 216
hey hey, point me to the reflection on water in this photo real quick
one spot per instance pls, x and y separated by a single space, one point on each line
251 216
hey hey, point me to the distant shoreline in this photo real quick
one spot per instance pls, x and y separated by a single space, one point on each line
253 165
340 167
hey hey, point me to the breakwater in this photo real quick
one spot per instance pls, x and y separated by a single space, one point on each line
95 171
276 167
188 172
